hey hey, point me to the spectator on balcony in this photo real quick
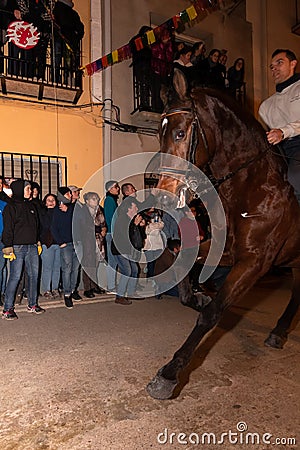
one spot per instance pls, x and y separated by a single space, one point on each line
210 72
161 65
178 47
184 64
31 63
235 77
68 33
198 53
6 16
223 57
141 65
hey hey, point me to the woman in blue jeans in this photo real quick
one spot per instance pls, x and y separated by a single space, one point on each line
50 273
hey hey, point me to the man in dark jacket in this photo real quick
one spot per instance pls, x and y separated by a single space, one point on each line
127 243
21 244
110 205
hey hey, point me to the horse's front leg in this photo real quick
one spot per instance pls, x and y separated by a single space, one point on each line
240 279
163 384
279 334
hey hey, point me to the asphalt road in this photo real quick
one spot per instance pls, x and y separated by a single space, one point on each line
75 379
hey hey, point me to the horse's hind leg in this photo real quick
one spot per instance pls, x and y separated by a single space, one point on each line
278 335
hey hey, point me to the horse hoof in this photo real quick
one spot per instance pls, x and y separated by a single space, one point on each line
275 341
160 388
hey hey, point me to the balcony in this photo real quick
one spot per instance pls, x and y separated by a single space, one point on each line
20 78
147 110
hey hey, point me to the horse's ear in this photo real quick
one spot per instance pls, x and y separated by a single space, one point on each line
164 94
180 84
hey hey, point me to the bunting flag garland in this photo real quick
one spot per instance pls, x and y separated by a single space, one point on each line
198 10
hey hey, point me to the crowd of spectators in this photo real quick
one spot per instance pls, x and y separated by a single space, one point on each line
53 243
154 65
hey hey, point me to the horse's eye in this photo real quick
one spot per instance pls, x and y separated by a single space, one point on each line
180 134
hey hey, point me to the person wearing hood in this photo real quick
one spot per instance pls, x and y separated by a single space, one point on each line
3 204
281 112
62 232
21 245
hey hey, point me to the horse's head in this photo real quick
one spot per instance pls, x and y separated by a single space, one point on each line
180 135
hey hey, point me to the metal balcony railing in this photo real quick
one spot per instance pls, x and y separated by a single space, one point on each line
44 78
144 100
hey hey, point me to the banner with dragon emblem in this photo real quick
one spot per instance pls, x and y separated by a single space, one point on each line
23 34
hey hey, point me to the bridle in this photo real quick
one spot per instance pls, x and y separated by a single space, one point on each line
191 183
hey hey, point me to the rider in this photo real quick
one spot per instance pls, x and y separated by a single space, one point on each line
281 112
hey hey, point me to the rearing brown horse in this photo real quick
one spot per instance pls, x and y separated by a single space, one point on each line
263 215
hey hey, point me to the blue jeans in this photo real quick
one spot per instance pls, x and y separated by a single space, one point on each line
69 268
112 263
2 271
27 254
129 272
50 268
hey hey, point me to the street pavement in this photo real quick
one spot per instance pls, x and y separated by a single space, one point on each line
75 379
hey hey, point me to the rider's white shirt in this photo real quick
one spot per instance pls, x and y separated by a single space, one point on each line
282 110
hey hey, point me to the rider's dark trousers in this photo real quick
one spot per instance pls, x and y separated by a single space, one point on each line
291 148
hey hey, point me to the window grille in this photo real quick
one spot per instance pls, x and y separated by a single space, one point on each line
49 172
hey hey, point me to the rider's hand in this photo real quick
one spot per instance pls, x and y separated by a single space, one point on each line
275 136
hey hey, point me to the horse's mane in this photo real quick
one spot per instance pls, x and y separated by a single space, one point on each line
223 99
229 102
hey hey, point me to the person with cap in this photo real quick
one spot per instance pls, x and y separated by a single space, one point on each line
21 245
110 205
75 194
75 190
62 232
